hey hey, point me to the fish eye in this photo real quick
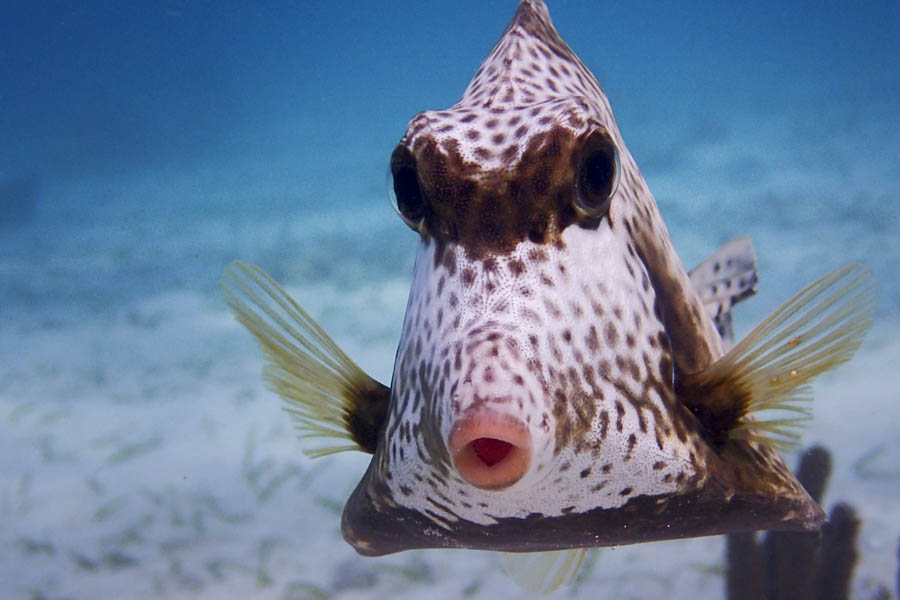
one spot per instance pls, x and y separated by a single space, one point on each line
597 176
404 189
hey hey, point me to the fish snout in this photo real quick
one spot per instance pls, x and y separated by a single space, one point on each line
490 450
493 405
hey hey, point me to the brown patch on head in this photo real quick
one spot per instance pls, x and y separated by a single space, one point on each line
489 212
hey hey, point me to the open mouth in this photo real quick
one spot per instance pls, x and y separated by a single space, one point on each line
490 451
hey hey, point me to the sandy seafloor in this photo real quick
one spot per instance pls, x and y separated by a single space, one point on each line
141 455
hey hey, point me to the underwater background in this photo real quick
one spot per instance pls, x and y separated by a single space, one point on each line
143 146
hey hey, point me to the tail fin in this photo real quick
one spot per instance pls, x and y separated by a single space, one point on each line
723 280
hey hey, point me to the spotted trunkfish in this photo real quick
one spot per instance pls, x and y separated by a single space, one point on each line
561 381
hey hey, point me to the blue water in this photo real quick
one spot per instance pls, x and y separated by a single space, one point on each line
145 145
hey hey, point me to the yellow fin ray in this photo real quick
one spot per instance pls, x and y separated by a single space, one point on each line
543 572
818 329
320 385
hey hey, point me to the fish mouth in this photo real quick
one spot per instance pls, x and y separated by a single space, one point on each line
490 451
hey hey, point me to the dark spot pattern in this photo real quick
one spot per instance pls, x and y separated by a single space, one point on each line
521 306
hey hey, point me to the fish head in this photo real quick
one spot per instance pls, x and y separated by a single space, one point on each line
532 404
528 301
533 369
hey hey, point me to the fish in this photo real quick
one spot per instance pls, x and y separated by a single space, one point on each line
561 381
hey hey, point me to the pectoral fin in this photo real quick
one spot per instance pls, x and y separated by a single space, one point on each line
815 331
327 395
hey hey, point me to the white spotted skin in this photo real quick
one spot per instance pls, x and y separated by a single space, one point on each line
554 301
567 337
523 88
530 83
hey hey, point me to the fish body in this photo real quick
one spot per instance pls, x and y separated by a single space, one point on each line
561 380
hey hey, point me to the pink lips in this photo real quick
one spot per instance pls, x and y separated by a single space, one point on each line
490 451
